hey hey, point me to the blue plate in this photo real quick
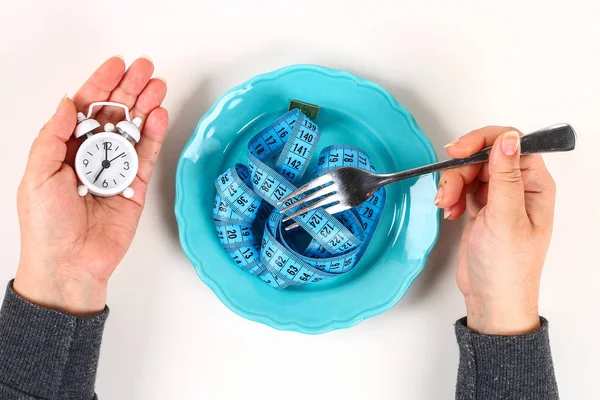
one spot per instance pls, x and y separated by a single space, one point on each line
353 111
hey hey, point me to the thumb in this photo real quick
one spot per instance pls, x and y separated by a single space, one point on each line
506 193
49 149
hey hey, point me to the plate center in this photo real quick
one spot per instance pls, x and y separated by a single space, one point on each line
337 128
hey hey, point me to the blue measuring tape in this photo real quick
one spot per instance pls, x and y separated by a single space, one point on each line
249 224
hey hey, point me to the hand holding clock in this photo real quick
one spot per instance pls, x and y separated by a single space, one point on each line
70 245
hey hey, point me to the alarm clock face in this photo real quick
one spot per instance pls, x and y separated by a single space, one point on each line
106 163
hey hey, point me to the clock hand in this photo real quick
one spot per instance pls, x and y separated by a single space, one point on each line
99 173
106 152
117 157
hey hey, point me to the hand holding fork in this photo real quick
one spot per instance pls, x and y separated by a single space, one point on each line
348 187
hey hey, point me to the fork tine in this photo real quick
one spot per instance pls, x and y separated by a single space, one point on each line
322 180
321 192
337 208
326 200
292 226
334 209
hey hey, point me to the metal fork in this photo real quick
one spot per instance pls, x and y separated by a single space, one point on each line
349 187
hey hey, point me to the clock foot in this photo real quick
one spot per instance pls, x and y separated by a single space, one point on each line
128 193
82 190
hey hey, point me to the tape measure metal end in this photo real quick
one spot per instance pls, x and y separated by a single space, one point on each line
310 110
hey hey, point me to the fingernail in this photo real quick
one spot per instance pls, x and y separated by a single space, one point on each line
162 78
510 143
120 56
147 57
439 196
452 143
447 212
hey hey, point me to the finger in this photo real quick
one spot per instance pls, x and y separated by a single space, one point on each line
484 172
151 141
539 187
540 191
148 149
151 97
134 81
102 82
506 197
72 147
452 183
476 200
475 140
457 210
49 148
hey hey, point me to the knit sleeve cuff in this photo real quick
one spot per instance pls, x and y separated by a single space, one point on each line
500 367
44 351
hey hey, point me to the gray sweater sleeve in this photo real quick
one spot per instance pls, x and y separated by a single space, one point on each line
505 367
47 354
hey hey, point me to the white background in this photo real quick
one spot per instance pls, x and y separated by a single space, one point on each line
457 65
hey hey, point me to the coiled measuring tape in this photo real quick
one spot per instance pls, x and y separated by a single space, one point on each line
249 225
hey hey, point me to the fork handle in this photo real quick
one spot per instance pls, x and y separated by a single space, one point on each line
560 137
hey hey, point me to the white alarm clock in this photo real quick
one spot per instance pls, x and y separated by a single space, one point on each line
106 162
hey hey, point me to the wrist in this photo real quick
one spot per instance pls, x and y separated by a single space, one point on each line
502 317
50 288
